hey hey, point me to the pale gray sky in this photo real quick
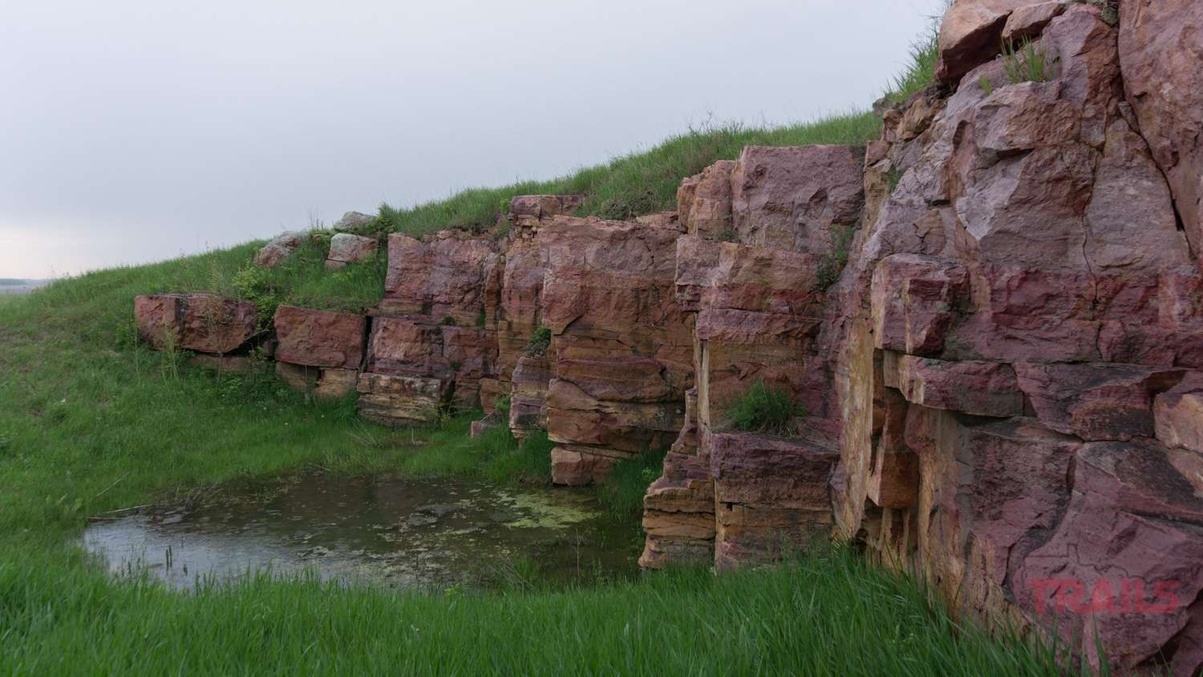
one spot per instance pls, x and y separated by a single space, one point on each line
134 131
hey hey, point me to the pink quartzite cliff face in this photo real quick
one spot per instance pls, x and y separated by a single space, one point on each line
1009 364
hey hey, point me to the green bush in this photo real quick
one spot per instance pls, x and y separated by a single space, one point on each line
540 341
764 409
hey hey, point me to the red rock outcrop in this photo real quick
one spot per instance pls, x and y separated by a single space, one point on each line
1008 365
203 323
1160 47
319 338
432 340
757 313
1011 344
622 348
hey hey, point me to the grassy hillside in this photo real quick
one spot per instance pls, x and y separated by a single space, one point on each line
91 421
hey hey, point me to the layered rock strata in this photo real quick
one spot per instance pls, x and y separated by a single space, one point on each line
1012 350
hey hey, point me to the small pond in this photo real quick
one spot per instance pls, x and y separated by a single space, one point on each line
385 530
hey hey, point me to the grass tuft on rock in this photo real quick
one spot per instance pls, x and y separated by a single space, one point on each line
764 409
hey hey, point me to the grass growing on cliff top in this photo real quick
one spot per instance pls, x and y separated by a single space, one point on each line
630 185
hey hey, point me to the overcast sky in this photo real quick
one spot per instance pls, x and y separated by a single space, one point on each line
137 131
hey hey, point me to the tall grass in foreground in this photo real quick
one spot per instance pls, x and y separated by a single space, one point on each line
825 615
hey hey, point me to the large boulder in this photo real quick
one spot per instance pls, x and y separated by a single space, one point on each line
203 323
347 248
279 249
319 338
354 222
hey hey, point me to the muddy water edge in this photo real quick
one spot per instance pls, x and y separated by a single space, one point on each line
385 529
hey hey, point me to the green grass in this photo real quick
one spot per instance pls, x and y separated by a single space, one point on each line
764 409
622 494
827 615
631 185
1027 63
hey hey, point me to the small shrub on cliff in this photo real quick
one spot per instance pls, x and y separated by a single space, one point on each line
765 409
831 267
1108 8
540 341
1027 63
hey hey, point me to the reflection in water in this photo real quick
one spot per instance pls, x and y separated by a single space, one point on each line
371 529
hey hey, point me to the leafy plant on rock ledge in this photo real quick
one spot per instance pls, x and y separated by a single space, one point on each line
831 266
539 342
1027 63
765 409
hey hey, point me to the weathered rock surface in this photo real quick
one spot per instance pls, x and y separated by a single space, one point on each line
401 400
347 248
1032 299
202 323
971 33
444 278
704 202
769 494
319 338
279 249
354 222
798 198
1178 417
1160 47
623 349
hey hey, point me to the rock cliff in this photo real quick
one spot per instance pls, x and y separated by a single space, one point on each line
991 320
